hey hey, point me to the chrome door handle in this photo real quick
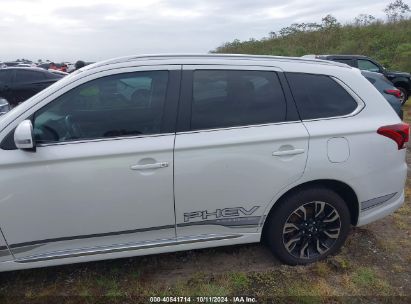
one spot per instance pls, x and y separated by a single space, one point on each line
288 152
150 166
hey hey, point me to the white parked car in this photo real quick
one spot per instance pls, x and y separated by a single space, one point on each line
149 154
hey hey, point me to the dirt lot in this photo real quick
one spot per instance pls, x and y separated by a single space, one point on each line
373 266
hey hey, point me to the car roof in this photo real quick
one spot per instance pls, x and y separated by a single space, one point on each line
208 59
24 68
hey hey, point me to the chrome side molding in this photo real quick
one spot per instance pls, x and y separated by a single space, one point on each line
124 247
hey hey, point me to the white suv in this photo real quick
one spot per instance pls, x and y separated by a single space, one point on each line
151 154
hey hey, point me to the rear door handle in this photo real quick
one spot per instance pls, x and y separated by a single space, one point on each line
150 166
288 152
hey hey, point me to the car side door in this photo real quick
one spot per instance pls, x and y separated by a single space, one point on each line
27 83
101 177
239 142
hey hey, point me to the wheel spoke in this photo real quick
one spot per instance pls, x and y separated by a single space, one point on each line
332 233
303 210
290 227
302 250
319 244
333 216
292 243
321 206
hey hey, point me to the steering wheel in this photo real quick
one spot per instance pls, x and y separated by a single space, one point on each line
73 130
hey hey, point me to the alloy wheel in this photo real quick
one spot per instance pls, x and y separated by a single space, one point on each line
311 230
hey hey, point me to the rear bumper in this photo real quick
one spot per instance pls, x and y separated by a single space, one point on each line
381 210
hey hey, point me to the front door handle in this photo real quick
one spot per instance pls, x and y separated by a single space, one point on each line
150 166
288 152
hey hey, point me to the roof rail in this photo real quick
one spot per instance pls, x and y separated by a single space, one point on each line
215 56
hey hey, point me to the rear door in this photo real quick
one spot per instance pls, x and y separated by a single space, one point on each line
239 143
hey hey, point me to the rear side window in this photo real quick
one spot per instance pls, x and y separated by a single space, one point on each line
367 65
227 98
319 96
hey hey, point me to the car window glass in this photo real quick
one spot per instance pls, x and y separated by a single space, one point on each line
4 76
367 65
319 96
226 98
28 76
112 106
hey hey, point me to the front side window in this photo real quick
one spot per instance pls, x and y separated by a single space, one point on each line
227 98
113 106
319 96
367 65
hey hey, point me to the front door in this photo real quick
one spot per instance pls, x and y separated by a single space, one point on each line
102 173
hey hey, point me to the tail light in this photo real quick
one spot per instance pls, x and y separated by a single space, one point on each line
395 92
400 133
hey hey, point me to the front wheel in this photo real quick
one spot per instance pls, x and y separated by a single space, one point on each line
308 226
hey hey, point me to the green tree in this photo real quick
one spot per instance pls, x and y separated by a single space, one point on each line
397 10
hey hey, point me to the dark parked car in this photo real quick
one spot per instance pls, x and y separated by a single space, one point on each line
386 88
19 84
401 80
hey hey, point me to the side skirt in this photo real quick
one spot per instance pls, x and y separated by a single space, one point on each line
117 248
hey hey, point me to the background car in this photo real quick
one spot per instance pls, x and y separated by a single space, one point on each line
18 84
386 88
401 80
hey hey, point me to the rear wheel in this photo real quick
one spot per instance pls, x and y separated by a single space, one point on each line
404 95
308 226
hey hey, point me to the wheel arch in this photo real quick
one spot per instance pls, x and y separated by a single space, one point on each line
402 83
341 188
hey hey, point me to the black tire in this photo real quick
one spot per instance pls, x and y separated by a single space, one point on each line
290 211
404 94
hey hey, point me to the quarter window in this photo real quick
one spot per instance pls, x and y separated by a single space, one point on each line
319 96
120 105
226 98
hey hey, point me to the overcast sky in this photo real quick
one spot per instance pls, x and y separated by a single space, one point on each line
99 29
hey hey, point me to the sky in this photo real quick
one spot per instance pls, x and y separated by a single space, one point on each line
92 30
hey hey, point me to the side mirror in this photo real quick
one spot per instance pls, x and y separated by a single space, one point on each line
23 135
